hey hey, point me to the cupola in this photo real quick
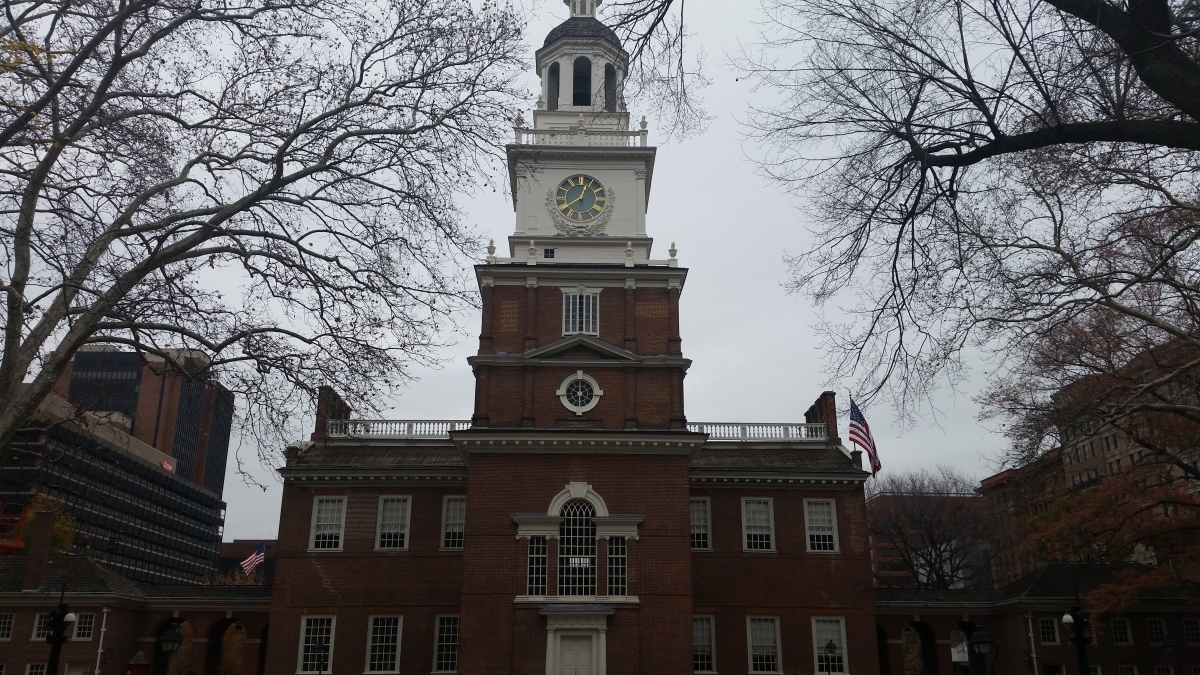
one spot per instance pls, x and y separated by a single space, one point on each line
582 67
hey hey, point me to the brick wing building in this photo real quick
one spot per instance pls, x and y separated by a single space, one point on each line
578 523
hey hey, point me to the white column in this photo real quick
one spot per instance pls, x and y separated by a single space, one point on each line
641 201
551 666
603 652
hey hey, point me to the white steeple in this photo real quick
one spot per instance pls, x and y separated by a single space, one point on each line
580 177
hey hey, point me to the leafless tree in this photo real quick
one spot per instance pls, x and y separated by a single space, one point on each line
270 182
666 70
933 525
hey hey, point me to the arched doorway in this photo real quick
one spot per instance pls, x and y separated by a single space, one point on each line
226 648
919 647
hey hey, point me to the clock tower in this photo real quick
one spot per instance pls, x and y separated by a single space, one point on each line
578 451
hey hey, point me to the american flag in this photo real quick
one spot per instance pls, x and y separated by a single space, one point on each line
255 559
860 435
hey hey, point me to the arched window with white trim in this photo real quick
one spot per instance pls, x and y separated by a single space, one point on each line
577 549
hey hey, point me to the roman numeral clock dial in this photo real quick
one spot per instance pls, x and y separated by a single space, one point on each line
580 198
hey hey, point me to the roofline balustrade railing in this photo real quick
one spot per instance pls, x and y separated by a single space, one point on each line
580 136
440 429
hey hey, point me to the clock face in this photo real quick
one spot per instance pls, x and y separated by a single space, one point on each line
580 198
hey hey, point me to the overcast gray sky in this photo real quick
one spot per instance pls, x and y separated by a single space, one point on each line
755 355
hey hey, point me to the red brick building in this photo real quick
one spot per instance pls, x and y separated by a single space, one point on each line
578 523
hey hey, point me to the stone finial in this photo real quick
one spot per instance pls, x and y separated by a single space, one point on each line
491 249
629 254
644 123
532 254
673 262
581 124
541 103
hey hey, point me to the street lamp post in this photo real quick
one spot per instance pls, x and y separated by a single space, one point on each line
58 622
979 646
830 650
1077 622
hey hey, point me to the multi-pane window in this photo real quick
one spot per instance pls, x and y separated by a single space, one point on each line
329 518
700 524
1094 670
393 522
821 525
1157 629
577 549
1120 632
1164 670
41 626
1048 630
316 644
617 566
1191 631
6 626
702 644
446 658
84 624
1126 670
581 313
763 636
454 522
383 649
35 669
828 630
758 525
536 584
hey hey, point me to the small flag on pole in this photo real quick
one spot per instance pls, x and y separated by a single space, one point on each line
255 559
860 435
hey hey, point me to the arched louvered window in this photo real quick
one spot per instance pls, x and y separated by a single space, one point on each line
577 549
552 87
581 90
610 88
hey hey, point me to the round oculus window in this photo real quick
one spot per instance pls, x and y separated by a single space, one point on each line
579 392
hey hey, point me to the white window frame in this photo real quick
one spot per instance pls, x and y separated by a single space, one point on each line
30 666
845 647
837 545
75 627
1195 632
771 511
370 636
707 521
750 645
1132 670
379 522
300 643
437 625
40 620
1094 670
1128 632
312 526
569 293
12 622
1164 669
442 534
1041 631
712 626
1150 633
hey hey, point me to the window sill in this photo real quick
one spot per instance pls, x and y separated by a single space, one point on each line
324 550
389 550
704 550
762 550
576 599
825 553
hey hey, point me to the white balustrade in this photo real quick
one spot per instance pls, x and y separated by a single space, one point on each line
440 429
580 137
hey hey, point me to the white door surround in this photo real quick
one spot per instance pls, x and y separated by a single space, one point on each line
576 639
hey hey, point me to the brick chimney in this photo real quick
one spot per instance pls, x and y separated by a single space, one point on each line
330 406
39 535
824 410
